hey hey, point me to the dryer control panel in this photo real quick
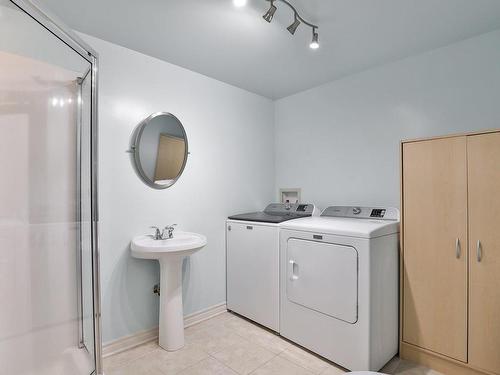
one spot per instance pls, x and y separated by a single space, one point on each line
356 212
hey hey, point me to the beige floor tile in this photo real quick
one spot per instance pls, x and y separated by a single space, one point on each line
391 366
144 366
280 366
305 359
333 370
244 357
162 362
239 325
268 340
410 368
174 362
121 359
213 339
208 366
257 334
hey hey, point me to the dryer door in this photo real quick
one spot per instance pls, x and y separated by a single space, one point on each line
323 277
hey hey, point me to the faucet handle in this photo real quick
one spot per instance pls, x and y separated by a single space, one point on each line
170 229
157 235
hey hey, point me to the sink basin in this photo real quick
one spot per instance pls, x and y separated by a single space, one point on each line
182 244
170 253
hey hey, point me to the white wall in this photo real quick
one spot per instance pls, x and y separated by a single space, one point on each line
340 142
230 170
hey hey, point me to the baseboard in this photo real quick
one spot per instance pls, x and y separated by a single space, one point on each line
202 315
142 337
437 362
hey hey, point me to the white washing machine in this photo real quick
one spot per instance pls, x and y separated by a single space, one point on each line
339 285
252 260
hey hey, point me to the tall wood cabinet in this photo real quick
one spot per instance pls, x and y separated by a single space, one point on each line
450 253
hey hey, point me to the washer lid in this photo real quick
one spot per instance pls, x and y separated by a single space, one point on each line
278 213
264 217
343 226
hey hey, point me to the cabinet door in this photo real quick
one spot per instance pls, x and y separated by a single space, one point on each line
434 264
484 226
253 272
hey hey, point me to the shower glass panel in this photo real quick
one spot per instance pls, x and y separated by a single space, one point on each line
47 231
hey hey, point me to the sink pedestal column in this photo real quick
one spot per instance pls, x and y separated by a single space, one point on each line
171 334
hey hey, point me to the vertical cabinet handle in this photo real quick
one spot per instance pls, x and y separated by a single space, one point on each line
479 251
458 248
294 267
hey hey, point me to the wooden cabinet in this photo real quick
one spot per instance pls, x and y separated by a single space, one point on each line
484 251
450 307
435 229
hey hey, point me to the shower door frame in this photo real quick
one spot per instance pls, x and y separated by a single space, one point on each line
46 19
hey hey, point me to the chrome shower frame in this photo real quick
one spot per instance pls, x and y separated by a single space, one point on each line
50 22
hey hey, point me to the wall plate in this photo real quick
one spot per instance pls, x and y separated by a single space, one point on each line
291 195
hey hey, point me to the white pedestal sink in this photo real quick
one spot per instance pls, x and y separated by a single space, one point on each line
170 253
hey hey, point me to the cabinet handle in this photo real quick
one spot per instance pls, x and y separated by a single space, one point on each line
458 248
249 227
479 251
294 268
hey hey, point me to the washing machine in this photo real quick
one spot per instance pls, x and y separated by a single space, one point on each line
252 260
339 285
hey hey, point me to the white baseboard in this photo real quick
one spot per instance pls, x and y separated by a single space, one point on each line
205 314
142 337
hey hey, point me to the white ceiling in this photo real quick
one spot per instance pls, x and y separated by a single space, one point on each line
237 46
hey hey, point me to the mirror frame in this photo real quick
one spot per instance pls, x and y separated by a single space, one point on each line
135 147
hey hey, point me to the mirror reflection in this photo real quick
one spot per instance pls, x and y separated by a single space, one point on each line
160 150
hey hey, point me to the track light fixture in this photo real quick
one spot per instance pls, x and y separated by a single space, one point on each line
315 42
297 21
293 27
270 12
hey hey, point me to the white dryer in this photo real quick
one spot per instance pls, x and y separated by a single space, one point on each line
339 285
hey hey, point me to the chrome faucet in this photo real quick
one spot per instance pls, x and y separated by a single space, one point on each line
170 231
161 235
158 235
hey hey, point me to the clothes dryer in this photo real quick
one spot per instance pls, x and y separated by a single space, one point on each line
339 285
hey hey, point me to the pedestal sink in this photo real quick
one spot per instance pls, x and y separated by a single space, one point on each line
169 252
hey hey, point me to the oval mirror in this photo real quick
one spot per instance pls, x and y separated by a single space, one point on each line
160 149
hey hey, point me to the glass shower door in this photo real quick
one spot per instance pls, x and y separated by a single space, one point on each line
47 239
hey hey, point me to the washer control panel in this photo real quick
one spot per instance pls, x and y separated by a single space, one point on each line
290 208
357 212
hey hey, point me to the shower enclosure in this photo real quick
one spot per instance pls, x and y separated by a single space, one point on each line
49 270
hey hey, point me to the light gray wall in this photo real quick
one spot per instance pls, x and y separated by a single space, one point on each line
224 175
340 142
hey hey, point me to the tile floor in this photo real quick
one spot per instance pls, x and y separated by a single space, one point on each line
229 345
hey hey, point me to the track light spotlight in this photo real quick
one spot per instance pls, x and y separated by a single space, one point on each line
315 42
298 20
294 25
270 13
